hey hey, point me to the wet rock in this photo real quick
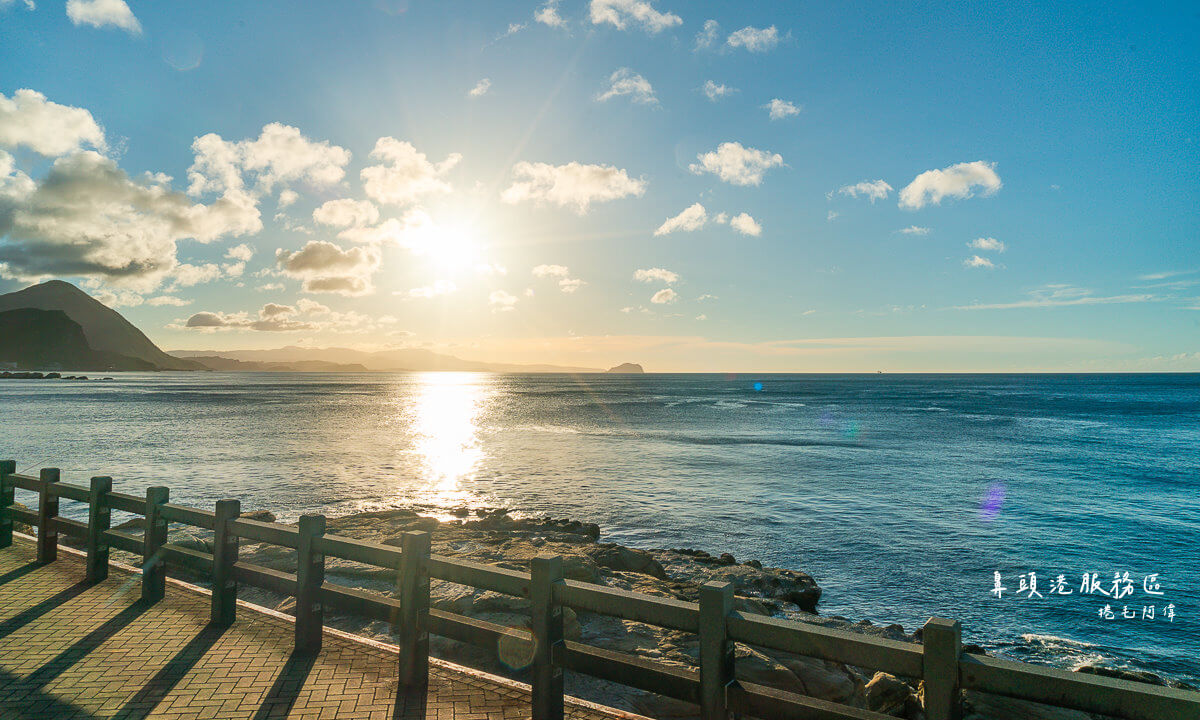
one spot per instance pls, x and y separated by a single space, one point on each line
621 558
889 695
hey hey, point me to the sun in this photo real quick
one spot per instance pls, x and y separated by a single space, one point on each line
449 248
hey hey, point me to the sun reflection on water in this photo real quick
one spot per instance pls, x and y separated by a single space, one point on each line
444 421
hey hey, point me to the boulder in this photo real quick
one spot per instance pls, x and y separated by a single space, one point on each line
889 695
621 558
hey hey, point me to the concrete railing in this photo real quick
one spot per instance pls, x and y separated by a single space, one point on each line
939 662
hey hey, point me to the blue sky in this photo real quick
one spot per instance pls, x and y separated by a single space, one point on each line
1042 159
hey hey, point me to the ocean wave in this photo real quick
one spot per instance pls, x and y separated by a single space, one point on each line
555 429
745 440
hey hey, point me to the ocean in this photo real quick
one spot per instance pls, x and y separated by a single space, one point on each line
903 495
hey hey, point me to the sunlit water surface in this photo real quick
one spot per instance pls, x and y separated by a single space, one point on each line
902 495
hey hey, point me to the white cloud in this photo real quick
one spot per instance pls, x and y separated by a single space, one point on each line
513 29
242 253
656 275
566 283
186 275
489 269
664 296
571 185
702 316
640 12
754 39
832 215
1060 295
548 15
29 4
915 230
288 197
501 300
28 119
692 218
271 318
404 175
480 88
956 181
99 13
780 109
171 300
745 224
978 262
440 287
1166 274
735 164
715 92
306 315
626 82
346 212
870 189
87 218
708 37
721 218
551 271
325 267
987 244
412 231
280 154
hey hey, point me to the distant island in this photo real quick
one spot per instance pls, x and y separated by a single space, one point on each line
627 369
56 326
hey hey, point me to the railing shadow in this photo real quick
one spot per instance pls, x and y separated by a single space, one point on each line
80 649
411 703
282 695
21 703
33 612
143 703
18 572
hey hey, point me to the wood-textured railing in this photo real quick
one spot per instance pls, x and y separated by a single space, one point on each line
940 662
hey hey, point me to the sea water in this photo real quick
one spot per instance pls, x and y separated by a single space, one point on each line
903 495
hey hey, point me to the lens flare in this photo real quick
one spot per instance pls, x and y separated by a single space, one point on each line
989 509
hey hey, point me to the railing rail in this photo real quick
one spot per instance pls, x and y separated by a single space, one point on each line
939 662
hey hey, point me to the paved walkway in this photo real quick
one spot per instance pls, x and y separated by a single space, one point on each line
69 650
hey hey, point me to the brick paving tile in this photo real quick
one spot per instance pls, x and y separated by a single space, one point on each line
69 650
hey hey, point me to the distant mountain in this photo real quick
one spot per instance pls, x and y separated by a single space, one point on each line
413 359
104 328
627 369
49 340
213 362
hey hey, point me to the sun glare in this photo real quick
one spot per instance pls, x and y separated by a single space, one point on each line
449 248
444 421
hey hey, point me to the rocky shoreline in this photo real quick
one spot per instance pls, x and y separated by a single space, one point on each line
493 536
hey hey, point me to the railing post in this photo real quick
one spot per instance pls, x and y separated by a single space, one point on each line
8 496
414 609
716 651
154 565
310 574
942 641
225 554
99 518
547 625
47 541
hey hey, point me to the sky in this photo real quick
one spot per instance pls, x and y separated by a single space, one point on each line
687 185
